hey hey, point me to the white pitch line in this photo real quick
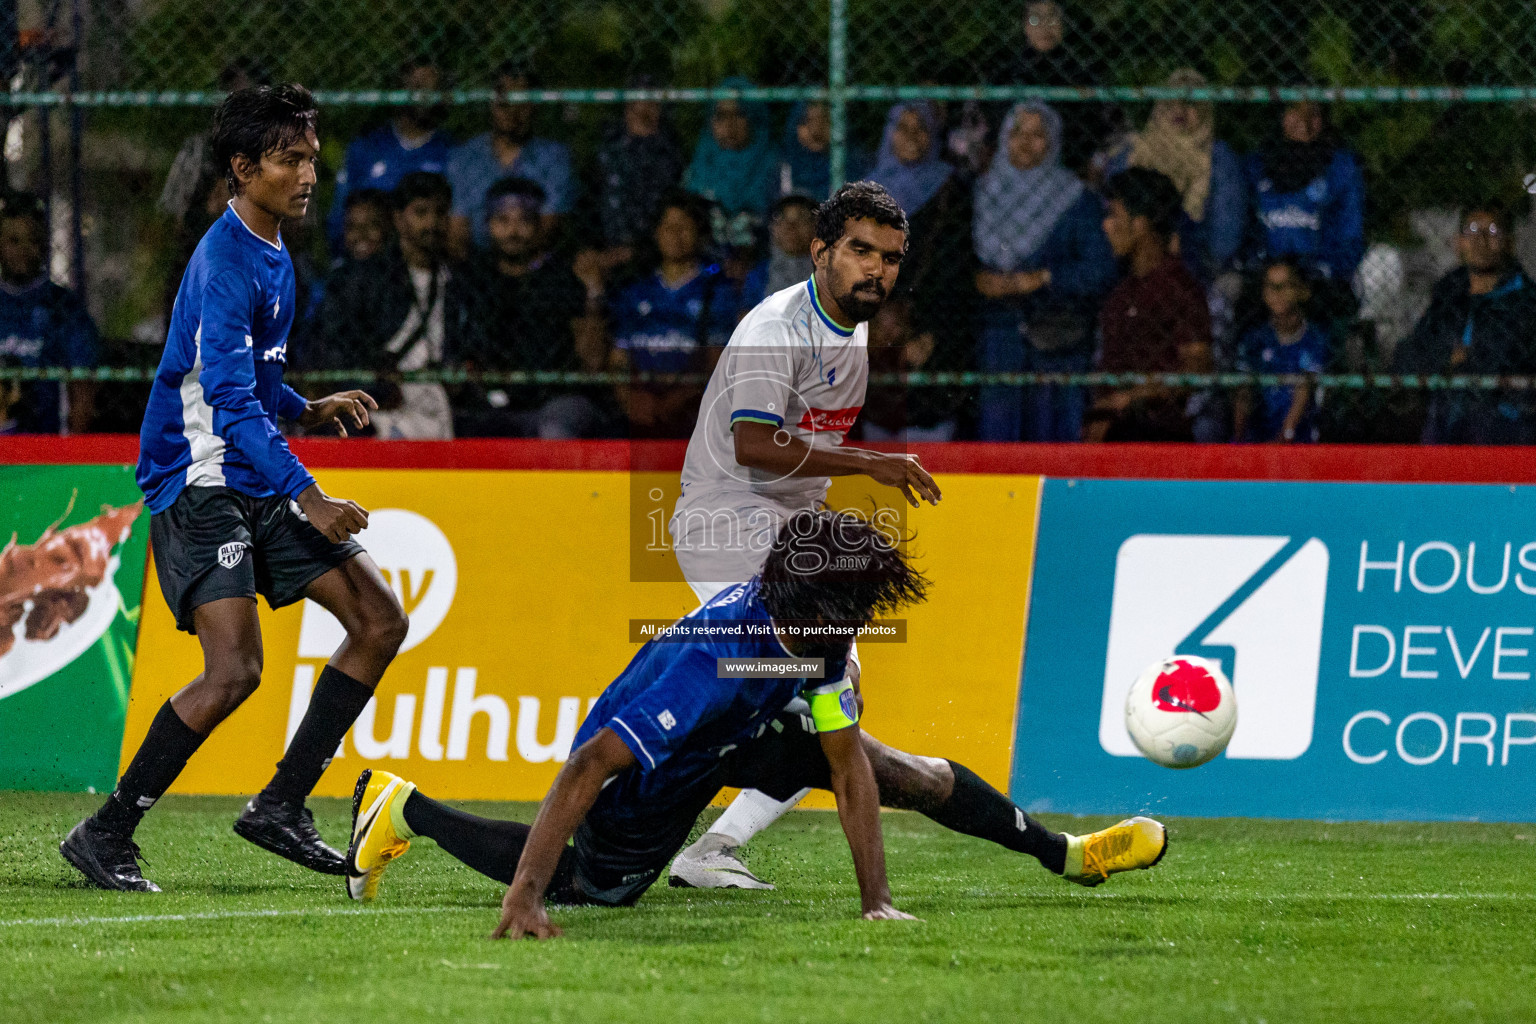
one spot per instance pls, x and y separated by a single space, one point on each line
228 915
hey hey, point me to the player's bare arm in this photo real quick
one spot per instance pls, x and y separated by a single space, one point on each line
768 448
340 409
858 808
570 798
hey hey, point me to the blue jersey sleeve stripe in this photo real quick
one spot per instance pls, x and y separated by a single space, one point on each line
757 416
636 746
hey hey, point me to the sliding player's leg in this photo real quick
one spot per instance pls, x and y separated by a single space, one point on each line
959 799
788 757
102 845
355 592
388 812
612 860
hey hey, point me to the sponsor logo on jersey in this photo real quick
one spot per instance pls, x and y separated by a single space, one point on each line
276 354
817 420
231 553
667 720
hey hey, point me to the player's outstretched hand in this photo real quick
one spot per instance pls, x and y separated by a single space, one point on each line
341 408
897 469
888 913
521 919
336 518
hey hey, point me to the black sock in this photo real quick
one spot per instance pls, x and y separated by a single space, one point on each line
489 846
976 809
337 701
160 758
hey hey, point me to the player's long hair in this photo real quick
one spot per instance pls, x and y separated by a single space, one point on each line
836 567
257 121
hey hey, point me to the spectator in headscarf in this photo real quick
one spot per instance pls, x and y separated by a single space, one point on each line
1179 141
1310 196
805 164
735 167
939 267
1045 263
791 227
1049 57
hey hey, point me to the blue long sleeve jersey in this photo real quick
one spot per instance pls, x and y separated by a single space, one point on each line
212 414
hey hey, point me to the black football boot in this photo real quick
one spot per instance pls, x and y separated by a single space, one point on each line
107 857
288 830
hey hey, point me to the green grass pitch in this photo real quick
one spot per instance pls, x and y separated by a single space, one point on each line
1243 921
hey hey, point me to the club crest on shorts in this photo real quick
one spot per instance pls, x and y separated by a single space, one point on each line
231 553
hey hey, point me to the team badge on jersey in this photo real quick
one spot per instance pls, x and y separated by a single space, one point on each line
231 553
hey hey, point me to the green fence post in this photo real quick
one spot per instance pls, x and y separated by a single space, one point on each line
837 89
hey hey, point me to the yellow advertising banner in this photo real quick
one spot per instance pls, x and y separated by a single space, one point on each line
520 587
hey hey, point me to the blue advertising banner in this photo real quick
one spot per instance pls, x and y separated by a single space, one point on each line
1380 638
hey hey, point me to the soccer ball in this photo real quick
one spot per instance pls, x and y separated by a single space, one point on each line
1181 711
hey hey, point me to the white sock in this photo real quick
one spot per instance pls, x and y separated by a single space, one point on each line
751 812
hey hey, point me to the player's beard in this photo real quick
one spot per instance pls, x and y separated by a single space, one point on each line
863 300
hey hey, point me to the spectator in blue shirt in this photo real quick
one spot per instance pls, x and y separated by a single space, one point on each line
1045 263
1286 343
41 324
673 321
1309 195
791 226
410 142
508 150
1179 141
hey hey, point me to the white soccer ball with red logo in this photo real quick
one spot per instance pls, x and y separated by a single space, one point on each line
1181 711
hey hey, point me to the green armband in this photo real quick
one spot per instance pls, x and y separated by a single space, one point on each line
834 706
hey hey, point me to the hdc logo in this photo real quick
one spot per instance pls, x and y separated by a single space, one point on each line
1255 604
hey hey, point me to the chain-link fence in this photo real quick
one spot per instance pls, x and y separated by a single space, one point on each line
1246 220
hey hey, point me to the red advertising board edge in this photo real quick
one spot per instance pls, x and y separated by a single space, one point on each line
1378 463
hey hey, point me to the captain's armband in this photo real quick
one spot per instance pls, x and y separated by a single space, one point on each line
833 706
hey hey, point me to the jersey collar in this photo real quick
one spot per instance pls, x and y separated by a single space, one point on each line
832 325
278 246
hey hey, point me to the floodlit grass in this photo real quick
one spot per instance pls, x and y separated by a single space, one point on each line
1244 920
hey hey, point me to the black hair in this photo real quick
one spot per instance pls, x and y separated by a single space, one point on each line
1495 208
515 69
411 63
1292 263
696 207
421 185
248 67
793 199
366 197
15 205
858 200
1150 194
260 120
523 188
836 567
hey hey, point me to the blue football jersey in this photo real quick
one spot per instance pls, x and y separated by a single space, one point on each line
677 717
211 419
663 328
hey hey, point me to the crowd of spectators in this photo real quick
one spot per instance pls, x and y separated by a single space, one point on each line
1046 240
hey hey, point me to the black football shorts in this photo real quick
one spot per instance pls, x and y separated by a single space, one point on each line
216 542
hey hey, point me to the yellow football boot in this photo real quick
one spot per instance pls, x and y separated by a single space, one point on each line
1134 843
377 826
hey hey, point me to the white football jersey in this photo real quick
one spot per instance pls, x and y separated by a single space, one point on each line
789 365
